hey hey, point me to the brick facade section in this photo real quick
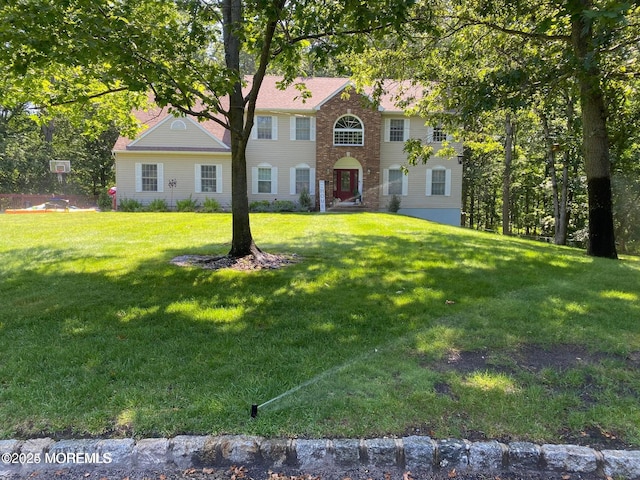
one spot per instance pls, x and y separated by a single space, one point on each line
368 155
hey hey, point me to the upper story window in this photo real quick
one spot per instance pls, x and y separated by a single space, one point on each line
265 128
348 130
396 129
303 128
437 134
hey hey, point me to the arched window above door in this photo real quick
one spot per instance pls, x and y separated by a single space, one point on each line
348 130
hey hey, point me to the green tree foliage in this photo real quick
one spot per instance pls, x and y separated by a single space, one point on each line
477 56
25 153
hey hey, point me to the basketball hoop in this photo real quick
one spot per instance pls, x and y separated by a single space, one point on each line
60 168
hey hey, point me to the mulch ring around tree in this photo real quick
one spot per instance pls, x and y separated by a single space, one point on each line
265 261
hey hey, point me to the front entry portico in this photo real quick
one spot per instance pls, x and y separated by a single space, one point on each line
345 182
347 179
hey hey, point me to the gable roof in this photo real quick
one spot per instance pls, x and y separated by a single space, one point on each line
271 98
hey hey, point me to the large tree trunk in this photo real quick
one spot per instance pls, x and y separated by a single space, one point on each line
594 131
506 174
242 241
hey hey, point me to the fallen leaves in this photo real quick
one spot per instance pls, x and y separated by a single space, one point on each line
237 472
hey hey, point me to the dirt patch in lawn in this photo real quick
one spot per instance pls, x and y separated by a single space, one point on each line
265 261
534 359
531 358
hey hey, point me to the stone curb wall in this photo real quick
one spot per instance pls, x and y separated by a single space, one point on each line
416 454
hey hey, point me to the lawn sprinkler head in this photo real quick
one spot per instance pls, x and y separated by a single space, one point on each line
254 410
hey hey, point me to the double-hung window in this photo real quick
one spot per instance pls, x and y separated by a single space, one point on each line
396 129
302 177
265 128
396 182
149 177
264 179
303 128
208 178
438 181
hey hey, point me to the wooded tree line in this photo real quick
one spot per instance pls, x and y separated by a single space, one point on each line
544 92
26 149
537 90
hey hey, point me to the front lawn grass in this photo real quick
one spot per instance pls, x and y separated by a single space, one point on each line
101 336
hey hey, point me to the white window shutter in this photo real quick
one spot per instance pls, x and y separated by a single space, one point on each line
254 129
274 180
429 180
447 182
385 181
449 137
138 177
254 179
312 181
405 184
274 128
292 128
292 181
219 179
313 129
387 130
407 125
198 188
160 177
429 134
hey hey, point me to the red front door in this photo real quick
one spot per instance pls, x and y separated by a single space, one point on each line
345 184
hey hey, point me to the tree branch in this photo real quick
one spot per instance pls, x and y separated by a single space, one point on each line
520 33
87 97
327 34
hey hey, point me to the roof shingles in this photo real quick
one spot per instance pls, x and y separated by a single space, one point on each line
272 98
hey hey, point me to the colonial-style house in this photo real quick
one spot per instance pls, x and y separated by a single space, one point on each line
333 140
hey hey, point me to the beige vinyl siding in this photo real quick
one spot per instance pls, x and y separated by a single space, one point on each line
162 135
391 153
175 165
283 154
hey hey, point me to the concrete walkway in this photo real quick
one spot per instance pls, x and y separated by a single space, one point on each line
417 454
